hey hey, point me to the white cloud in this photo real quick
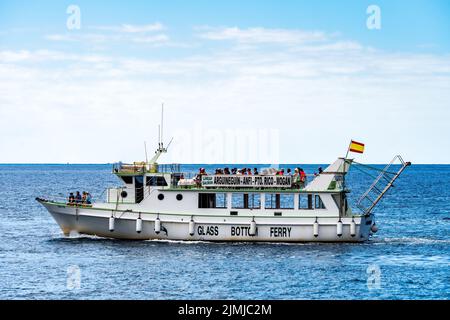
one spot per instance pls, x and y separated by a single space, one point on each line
115 34
261 35
129 28
159 38
316 95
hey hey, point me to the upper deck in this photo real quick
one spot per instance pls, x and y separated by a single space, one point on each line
169 177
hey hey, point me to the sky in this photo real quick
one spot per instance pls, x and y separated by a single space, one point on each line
241 81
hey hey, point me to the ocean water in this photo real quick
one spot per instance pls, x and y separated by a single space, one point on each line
409 258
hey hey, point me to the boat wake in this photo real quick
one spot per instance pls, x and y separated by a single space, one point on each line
410 240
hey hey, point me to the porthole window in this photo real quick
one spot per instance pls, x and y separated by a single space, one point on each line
160 196
179 197
123 194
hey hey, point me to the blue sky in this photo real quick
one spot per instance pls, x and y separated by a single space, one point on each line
407 25
257 62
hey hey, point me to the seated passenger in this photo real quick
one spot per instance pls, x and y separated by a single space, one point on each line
88 198
83 198
249 171
288 172
71 198
226 171
78 198
255 171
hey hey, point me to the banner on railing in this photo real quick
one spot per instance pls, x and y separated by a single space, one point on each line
246 181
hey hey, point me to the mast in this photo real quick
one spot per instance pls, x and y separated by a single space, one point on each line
161 148
162 123
145 148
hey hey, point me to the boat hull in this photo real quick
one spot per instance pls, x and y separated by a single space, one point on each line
95 221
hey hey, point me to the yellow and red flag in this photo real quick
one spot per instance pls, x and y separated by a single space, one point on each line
356 147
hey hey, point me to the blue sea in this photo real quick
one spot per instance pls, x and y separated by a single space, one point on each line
409 258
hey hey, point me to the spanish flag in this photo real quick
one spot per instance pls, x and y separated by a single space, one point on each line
356 147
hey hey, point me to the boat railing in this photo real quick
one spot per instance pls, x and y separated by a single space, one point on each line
192 180
169 168
65 200
143 167
379 187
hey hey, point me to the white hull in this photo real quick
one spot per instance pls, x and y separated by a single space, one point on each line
93 221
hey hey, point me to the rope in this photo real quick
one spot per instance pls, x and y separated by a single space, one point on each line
373 168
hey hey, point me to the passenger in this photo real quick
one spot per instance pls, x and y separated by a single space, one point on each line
302 178
83 198
280 173
320 170
288 173
71 198
78 198
226 170
255 171
296 178
234 171
249 171
88 198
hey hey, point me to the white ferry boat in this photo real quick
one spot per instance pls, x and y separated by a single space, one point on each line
157 202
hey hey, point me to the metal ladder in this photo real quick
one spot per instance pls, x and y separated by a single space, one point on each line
380 186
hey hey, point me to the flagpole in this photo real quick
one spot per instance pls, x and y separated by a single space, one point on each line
348 149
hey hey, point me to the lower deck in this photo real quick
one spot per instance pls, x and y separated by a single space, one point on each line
175 226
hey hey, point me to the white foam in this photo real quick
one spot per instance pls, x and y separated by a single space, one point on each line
411 240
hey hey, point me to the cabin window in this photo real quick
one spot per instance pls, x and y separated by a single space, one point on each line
127 179
279 201
212 200
271 201
254 201
156 181
246 201
139 188
286 201
305 201
318 203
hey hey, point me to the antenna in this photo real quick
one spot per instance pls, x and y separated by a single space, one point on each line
159 136
169 143
161 148
162 122
145 148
